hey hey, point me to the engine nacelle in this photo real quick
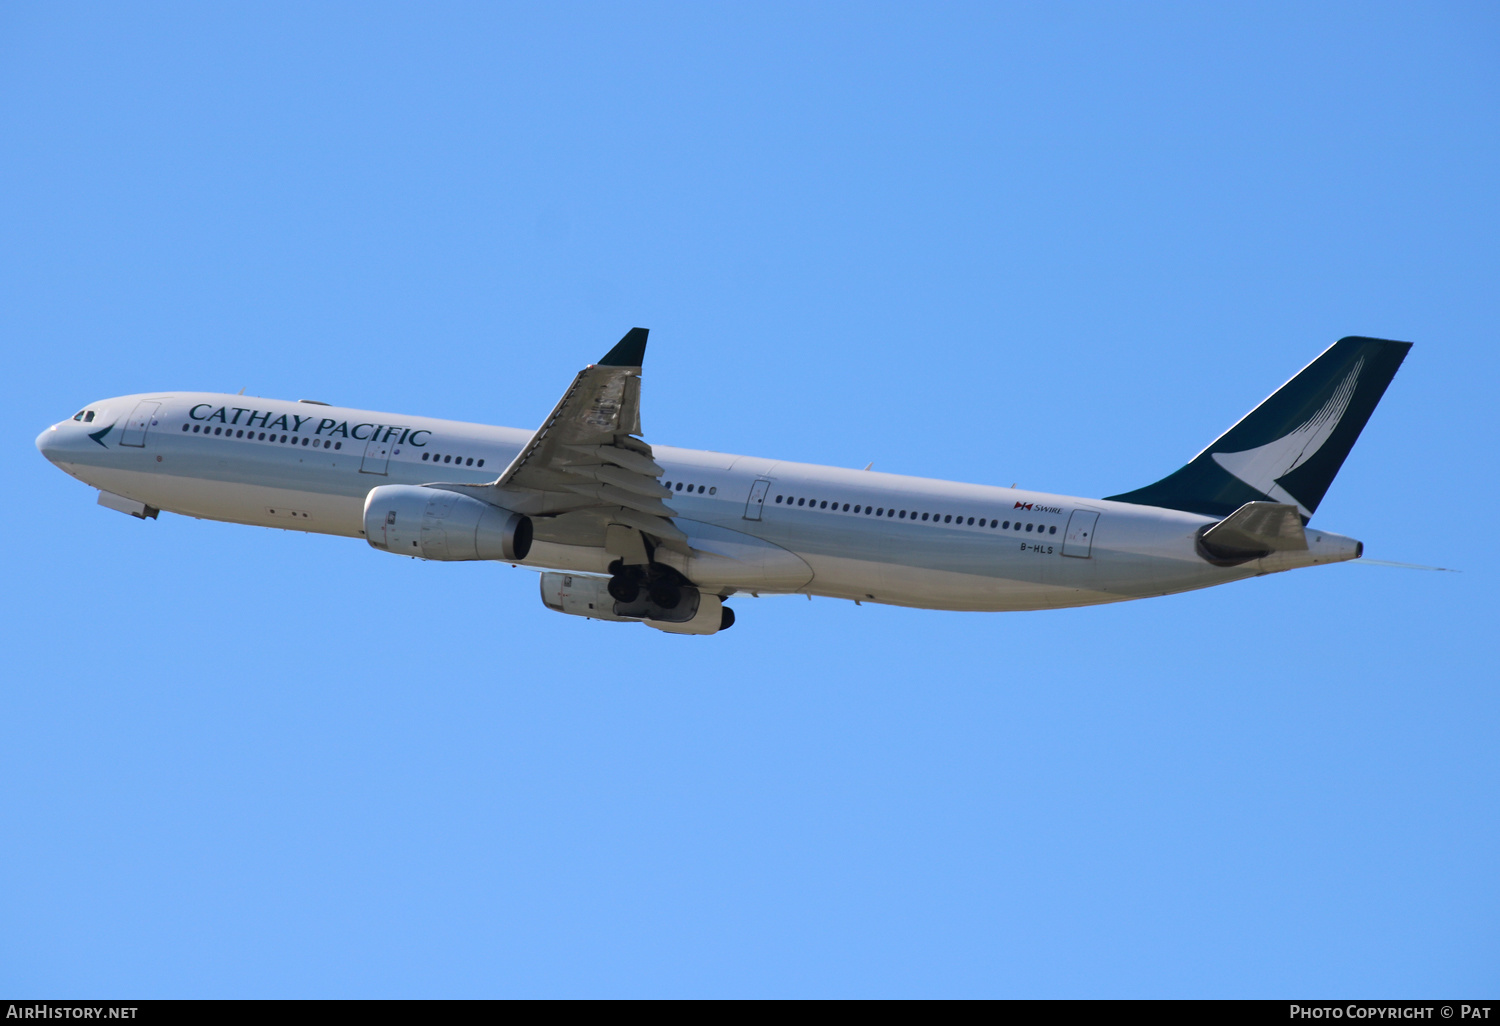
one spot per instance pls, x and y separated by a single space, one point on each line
711 617
434 523
586 595
580 595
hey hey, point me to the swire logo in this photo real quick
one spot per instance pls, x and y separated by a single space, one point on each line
1023 505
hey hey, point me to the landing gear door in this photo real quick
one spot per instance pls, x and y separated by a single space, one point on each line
757 500
139 423
1079 541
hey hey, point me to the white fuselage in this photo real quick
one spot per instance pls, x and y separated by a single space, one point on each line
758 525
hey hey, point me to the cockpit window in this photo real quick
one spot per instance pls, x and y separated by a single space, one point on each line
78 415
88 417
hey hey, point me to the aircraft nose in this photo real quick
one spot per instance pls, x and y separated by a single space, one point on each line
47 443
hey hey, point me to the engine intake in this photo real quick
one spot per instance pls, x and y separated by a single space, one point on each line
434 523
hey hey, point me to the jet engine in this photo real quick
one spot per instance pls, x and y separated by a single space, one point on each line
434 523
586 595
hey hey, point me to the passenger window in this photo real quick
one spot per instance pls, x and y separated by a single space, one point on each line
447 459
846 507
713 491
801 502
338 445
700 489
880 512
481 462
1028 528
971 521
981 521
823 504
948 519
778 499
679 486
424 456
469 462
1052 530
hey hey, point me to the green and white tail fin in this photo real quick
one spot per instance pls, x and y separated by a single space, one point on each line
1288 448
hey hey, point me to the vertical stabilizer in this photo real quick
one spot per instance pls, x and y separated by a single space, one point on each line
1288 449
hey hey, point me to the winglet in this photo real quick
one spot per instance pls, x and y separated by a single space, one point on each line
630 351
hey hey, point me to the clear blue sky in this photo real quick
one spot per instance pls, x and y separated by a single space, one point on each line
1060 245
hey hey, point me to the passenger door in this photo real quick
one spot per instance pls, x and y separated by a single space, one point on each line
377 453
757 500
139 423
1079 541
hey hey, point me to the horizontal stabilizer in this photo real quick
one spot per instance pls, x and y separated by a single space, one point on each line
1255 529
1272 526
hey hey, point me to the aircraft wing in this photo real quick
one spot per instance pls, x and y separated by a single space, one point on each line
586 458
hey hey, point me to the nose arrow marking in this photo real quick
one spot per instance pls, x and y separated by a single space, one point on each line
98 436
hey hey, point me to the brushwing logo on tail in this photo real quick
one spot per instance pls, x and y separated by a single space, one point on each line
1262 467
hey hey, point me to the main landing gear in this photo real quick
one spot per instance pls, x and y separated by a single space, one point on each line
653 591
656 592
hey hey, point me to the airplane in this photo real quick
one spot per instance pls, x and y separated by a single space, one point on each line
624 530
